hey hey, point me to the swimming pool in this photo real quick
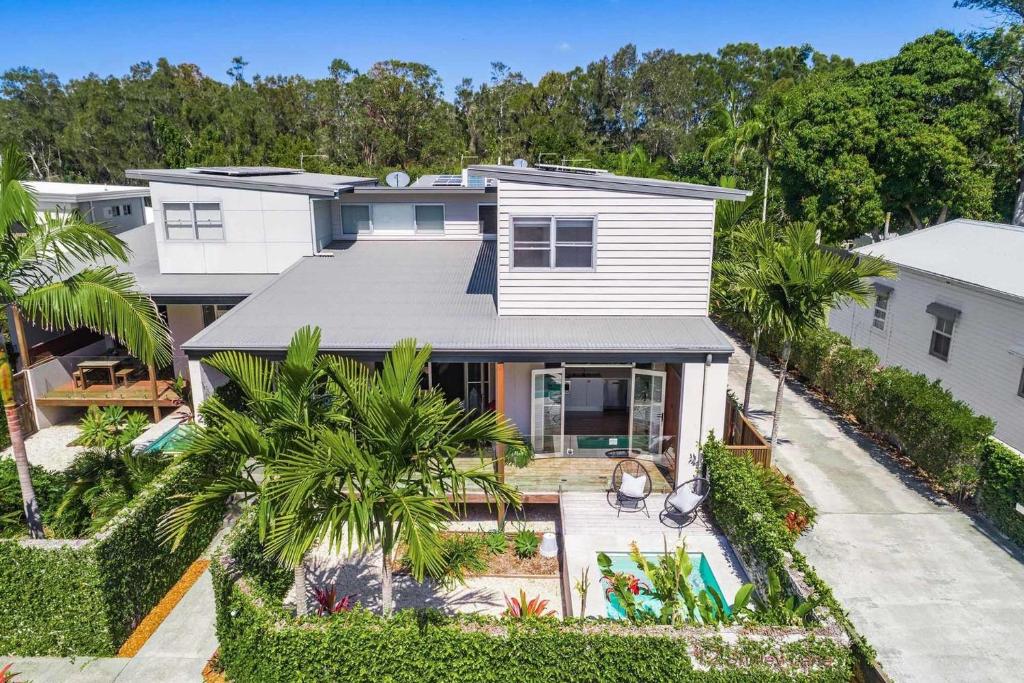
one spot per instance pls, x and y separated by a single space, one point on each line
171 441
701 578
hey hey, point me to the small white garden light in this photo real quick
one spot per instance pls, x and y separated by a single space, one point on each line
548 545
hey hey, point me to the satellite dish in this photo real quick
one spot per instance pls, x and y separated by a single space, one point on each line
520 163
397 179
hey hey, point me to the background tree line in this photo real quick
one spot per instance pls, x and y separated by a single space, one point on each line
929 134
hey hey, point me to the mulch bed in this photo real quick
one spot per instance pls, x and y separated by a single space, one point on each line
157 615
507 563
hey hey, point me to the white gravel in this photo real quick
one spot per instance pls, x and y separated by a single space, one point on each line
50 448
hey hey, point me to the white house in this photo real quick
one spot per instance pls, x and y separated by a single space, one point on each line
955 313
116 206
573 300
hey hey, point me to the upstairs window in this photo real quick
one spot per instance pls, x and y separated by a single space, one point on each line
126 209
1020 385
392 217
552 242
355 218
193 221
487 214
881 310
942 334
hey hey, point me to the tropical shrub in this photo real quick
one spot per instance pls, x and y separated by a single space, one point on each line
328 603
50 488
787 502
1002 488
522 608
526 543
496 542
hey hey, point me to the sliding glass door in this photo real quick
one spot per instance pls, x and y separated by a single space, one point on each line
547 411
647 411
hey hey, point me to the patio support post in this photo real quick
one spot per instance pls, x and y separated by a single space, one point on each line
19 332
152 388
499 449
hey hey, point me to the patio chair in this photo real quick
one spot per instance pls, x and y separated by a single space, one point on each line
631 485
684 502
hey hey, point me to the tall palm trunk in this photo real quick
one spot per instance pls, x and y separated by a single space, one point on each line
30 504
786 349
750 373
764 194
386 584
301 601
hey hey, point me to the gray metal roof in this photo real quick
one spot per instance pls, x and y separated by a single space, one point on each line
986 255
182 288
370 294
271 179
609 181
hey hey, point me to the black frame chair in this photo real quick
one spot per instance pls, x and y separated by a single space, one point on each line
702 487
621 500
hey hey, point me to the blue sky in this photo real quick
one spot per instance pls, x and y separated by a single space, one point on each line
457 38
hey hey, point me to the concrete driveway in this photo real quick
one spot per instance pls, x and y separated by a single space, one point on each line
939 594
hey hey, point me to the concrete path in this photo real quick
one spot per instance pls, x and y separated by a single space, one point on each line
176 652
939 594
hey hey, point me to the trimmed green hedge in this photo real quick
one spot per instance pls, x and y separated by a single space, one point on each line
1002 488
85 597
942 435
259 641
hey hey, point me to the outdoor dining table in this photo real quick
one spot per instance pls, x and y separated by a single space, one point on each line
108 364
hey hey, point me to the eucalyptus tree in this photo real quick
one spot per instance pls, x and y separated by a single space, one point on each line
796 283
46 275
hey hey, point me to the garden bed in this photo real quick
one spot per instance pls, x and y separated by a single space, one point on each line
507 562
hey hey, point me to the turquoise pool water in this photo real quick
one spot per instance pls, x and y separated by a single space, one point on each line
171 442
701 578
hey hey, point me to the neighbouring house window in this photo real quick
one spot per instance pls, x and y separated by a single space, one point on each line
942 338
112 211
127 209
487 214
881 310
430 218
213 311
355 218
193 221
1020 385
552 242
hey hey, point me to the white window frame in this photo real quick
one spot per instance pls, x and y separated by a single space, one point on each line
881 312
192 220
479 227
415 226
415 221
942 333
553 242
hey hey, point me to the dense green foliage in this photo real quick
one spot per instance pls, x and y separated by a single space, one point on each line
925 134
942 435
258 642
1002 488
50 488
85 597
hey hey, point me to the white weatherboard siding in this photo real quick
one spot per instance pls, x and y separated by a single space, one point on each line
981 370
264 232
653 254
461 220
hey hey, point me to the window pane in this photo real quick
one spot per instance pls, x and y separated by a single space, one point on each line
940 346
355 218
430 218
531 258
944 325
574 230
573 257
177 214
393 218
210 232
207 214
488 216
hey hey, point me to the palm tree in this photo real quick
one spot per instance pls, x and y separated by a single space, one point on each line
748 248
729 216
389 477
44 274
797 283
636 162
281 402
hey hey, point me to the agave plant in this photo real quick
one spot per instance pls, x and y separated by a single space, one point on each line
327 602
521 608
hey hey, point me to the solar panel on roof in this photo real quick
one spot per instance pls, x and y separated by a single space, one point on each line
244 171
448 181
476 181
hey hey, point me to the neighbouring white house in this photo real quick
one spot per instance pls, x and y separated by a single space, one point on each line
116 206
955 313
573 300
